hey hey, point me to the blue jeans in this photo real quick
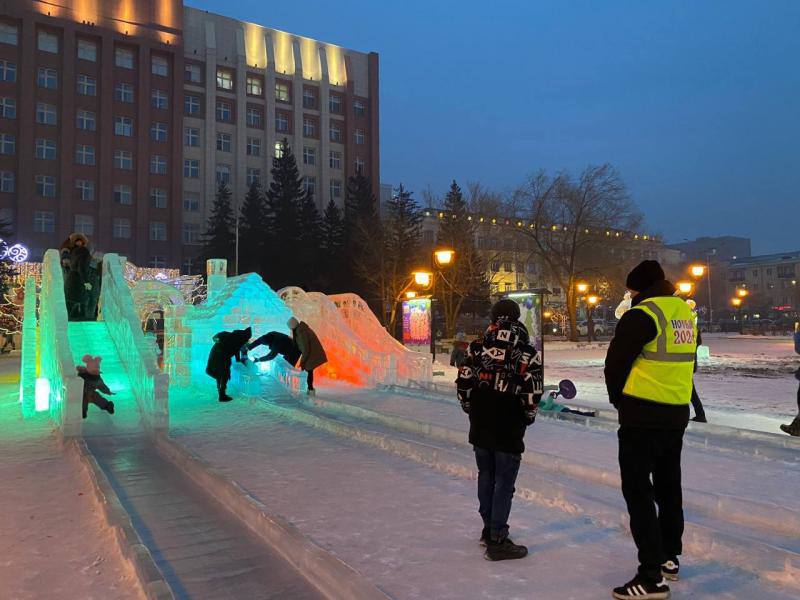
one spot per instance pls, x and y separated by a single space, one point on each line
497 473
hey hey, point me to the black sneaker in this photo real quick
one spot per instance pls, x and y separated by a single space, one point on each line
641 589
485 537
670 569
505 550
792 428
225 398
697 419
110 408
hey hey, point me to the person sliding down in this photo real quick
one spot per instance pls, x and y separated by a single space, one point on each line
278 343
499 386
92 382
227 344
312 354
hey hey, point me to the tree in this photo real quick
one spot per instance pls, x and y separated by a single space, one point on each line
571 218
360 236
253 231
465 280
219 239
309 233
331 244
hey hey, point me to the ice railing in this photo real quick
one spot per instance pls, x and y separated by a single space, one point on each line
410 365
138 354
348 358
27 369
58 385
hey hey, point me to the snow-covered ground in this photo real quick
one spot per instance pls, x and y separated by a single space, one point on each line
54 542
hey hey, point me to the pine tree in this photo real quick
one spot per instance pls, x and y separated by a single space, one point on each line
359 236
309 233
253 231
219 239
334 274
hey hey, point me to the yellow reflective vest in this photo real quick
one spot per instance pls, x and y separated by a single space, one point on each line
663 371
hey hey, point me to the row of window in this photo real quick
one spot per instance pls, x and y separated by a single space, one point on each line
782 271
44 221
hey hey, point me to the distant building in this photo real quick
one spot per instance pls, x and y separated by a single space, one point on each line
770 279
714 249
384 196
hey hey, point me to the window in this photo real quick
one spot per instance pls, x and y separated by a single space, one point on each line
47 78
87 86
335 132
336 188
158 132
769 272
309 127
123 92
309 184
187 267
191 168
8 108
87 120
253 176
191 137
8 144
223 174
335 159
46 114
87 50
495 266
45 149
158 198
123 194
224 142
9 34
360 165
359 109
46 186
281 122
159 66
786 271
157 261
191 203
7 182
84 224
359 135
224 79
279 150
8 71
123 159
192 73
158 164
282 91
84 189
309 156
158 231
123 57
84 154
190 234
122 228
158 99
123 126
255 118
191 104
335 103
44 221
309 98
47 42
224 111
255 86
253 146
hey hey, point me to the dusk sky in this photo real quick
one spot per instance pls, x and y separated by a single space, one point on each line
696 102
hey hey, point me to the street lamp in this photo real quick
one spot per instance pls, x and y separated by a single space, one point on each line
582 287
423 279
742 293
697 271
443 257
411 294
591 303
737 303
685 287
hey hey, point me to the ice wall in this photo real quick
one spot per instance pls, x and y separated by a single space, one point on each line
27 378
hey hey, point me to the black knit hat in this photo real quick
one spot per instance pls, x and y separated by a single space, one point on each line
644 275
505 308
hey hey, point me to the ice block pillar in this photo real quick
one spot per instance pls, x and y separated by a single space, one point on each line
27 375
217 274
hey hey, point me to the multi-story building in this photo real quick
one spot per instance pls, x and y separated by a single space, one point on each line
118 119
713 249
771 280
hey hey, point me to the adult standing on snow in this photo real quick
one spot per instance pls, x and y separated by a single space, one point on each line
312 354
227 345
648 372
794 427
499 386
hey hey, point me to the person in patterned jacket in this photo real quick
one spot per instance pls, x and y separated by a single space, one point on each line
499 387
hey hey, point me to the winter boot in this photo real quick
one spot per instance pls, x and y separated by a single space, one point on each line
793 428
312 392
110 408
504 550
222 390
486 536
670 569
640 588
699 419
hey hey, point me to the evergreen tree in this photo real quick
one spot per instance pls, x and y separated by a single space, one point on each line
253 231
334 274
359 235
309 233
219 239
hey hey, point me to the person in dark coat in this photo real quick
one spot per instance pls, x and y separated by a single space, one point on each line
227 344
93 384
278 343
76 285
499 386
793 428
312 354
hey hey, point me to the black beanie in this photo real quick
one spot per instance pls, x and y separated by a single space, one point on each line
644 275
505 308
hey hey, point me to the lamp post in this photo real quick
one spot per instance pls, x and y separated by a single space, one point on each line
698 271
591 303
737 303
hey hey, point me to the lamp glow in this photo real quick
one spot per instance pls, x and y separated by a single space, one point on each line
42 394
593 300
697 271
582 287
443 257
737 302
742 293
422 278
685 287
411 294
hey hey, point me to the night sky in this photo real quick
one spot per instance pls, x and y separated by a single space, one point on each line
697 102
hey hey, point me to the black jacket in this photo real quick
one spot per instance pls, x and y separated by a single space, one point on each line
279 343
227 344
634 330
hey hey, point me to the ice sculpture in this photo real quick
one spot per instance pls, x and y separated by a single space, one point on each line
27 379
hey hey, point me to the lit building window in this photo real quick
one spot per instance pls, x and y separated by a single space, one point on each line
46 186
255 86
84 189
158 132
282 93
159 66
87 50
46 114
158 164
47 78
84 154
86 120
123 126
123 92
159 99
279 150
121 228
123 159
224 79
45 149
87 86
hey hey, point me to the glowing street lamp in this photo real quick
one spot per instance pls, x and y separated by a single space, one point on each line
582 287
444 257
737 302
593 300
742 293
423 278
685 287
697 271
547 314
411 294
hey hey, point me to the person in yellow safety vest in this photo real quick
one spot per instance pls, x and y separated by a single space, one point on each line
648 371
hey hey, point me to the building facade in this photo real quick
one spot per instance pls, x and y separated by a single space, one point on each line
770 279
119 118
